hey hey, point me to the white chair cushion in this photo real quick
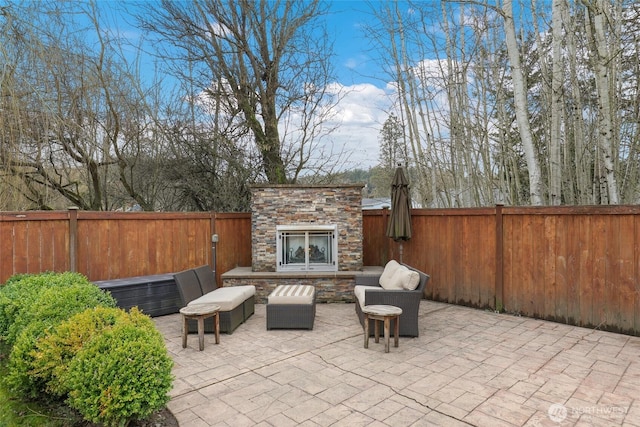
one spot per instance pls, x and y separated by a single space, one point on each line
406 278
387 274
227 298
359 292
397 281
247 290
292 294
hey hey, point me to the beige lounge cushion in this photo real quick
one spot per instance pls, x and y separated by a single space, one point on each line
247 290
292 294
360 290
227 298
387 275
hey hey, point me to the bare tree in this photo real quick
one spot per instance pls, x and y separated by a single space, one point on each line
75 118
45 111
520 101
553 119
265 62
557 103
577 159
436 54
600 21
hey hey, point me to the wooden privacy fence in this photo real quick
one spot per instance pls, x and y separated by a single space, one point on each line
112 245
576 265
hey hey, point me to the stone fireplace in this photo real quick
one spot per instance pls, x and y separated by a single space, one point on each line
300 210
304 235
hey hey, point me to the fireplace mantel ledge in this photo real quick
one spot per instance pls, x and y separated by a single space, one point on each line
245 272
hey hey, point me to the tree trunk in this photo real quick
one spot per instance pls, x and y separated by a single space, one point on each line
520 100
557 105
604 67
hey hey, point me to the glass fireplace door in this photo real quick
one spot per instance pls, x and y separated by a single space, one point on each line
320 248
293 246
306 249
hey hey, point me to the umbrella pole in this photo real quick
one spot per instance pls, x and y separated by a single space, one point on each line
400 250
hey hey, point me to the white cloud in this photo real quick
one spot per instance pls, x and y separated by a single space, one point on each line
351 63
359 114
357 62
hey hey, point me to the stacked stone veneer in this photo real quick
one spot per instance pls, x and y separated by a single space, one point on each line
298 205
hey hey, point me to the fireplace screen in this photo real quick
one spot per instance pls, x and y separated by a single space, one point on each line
303 247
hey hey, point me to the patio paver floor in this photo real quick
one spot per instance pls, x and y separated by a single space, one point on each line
468 367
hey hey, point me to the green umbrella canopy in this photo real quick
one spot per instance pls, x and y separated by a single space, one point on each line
399 227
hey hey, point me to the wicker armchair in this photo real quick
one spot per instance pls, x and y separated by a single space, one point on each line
407 300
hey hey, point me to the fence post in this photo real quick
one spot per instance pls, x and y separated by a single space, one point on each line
499 286
73 239
386 255
214 244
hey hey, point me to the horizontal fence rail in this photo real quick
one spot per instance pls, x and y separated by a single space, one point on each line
575 265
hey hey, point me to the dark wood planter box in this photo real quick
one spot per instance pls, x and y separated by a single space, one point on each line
155 295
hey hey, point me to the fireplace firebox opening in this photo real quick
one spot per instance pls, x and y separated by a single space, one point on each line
305 247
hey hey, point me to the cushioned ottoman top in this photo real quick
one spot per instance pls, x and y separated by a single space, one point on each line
292 294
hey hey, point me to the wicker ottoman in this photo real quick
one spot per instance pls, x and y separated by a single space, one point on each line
291 307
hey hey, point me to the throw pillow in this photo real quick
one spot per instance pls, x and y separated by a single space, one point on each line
412 280
405 278
387 273
398 279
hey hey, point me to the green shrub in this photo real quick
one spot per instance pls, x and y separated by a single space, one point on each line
64 295
22 292
122 374
55 351
19 291
17 380
68 340
51 306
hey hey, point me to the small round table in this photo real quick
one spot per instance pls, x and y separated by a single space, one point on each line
200 312
384 313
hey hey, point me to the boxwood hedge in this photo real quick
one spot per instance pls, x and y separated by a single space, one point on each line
69 341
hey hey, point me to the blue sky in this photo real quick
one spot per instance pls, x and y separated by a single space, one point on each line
346 22
364 108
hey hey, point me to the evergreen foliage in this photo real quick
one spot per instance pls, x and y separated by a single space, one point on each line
67 340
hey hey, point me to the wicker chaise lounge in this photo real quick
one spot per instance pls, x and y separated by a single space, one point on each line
197 286
369 291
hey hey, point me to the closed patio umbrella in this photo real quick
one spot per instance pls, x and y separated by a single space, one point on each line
399 227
